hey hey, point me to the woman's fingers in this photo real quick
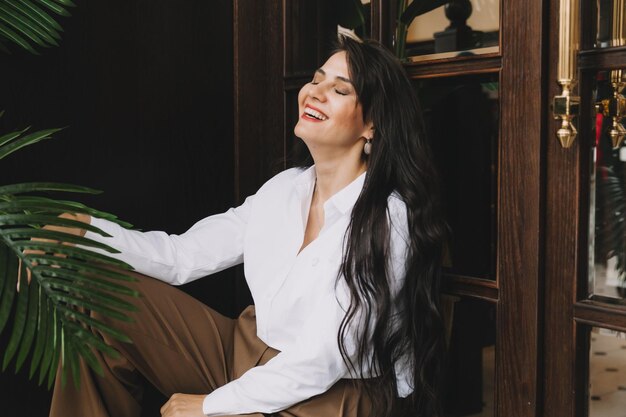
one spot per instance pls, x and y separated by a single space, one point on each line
183 405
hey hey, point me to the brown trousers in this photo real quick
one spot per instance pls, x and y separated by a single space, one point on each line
182 346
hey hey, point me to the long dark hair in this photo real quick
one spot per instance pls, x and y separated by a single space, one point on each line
400 162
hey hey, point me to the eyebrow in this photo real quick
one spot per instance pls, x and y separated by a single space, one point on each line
347 80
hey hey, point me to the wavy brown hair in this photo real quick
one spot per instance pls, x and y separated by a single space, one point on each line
406 327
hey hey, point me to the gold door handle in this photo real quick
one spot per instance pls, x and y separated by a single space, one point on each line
565 106
615 106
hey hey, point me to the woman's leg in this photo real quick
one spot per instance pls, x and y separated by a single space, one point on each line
347 398
179 344
344 399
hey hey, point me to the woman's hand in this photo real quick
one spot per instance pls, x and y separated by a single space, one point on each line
183 405
85 218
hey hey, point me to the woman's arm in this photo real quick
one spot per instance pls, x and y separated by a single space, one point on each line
211 245
310 367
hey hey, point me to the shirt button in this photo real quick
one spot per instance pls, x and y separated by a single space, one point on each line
315 261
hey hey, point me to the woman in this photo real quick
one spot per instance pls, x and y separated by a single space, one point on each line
342 259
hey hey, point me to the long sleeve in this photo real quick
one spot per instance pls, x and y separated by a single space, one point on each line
310 367
211 245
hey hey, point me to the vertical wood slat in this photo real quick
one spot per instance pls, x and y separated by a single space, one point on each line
383 15
258 72
519 221
560 395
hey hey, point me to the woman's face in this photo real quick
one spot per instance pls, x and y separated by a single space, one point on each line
331 117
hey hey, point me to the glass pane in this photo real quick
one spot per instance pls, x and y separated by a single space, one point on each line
354 18
471 358
607 374
471 26
607 226
610 23
461 116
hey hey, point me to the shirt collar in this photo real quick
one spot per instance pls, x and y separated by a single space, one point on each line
305 182
343 200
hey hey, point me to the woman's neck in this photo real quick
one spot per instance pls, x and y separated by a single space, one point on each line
332 176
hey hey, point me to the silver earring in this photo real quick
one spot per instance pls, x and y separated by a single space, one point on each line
367 148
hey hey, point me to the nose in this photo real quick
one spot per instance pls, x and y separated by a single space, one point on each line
317 92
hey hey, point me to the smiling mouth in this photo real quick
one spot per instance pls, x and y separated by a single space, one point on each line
310 113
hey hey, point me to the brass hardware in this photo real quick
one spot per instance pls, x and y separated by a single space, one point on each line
565 106
615 107
618 37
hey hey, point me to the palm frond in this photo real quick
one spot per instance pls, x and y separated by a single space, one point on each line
73 277
30 24
15 141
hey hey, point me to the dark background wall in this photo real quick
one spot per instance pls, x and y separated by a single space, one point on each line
145 89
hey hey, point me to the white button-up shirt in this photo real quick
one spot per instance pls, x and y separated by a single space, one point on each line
299 301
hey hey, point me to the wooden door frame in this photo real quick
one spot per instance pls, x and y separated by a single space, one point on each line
569 312
521 175
520 225
562 228
518 291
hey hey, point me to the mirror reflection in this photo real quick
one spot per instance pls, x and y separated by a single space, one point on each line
607 373
457 25
607 226
611 30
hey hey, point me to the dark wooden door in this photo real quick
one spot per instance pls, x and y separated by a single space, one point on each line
485 106
585 308
482 96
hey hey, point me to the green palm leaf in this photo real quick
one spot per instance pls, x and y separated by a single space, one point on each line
30 23
34 16
52 318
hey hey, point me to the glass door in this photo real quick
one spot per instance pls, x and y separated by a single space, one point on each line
479 67
585 293
479 75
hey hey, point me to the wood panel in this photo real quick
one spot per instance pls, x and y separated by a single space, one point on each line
383 21
477 64
562 253
602 59
483 289
258 73
519 221
601 315
309 32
